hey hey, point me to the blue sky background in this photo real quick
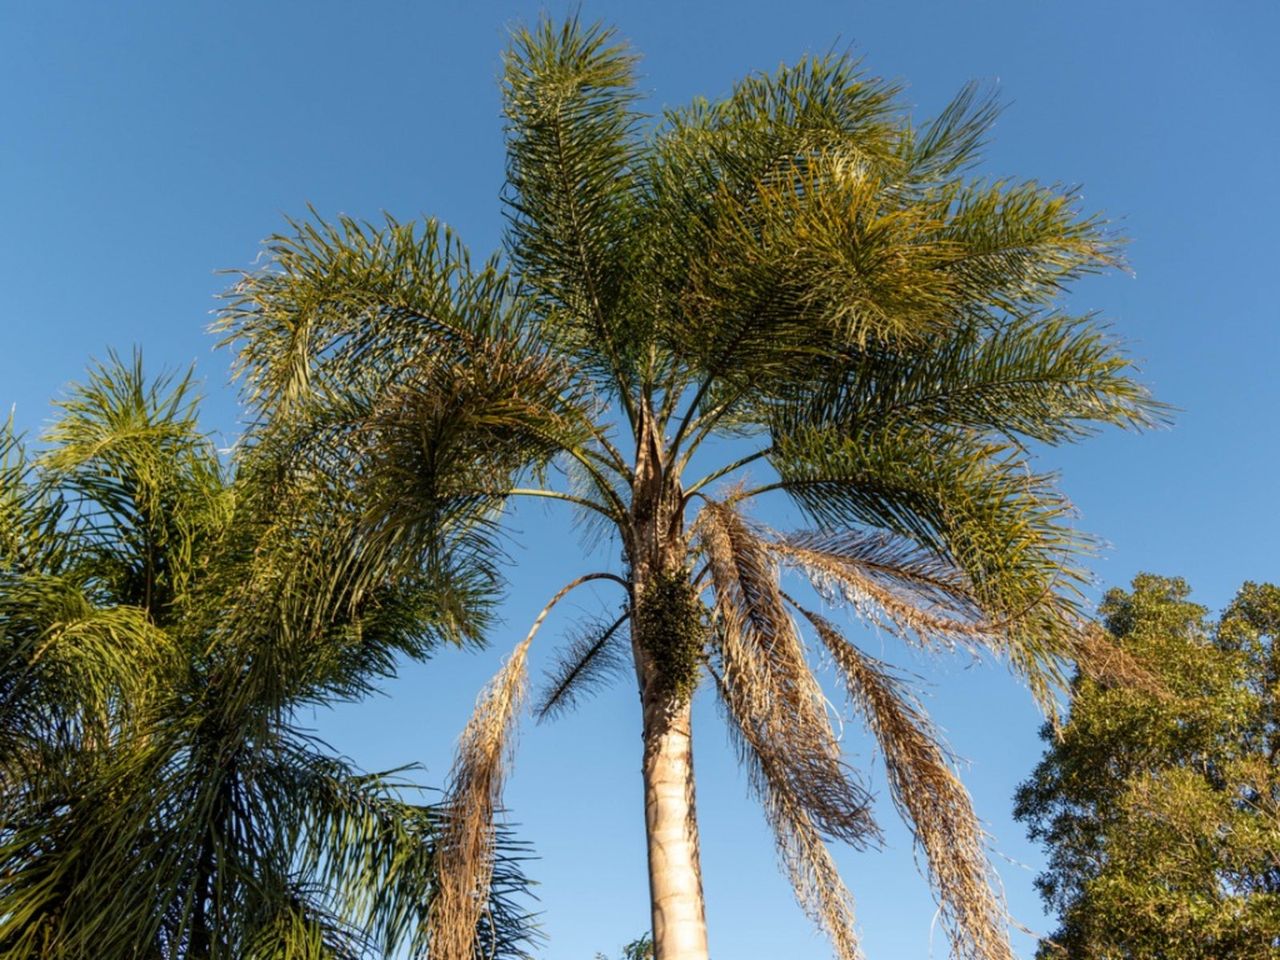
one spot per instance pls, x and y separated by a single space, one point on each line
145 146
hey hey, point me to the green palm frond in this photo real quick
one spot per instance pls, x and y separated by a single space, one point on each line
160 622
66 660
144 483
950 143
568 95
338 294
976 505
593 654
1047 378
30 513
1018 245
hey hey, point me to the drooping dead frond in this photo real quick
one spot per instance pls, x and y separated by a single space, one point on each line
464 853
809 865
586 661
770 692
930 796
816 881
898 586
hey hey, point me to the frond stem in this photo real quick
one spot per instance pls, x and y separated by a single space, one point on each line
568 497
756 491
601 482
563 591
614 460
726 470
704 424
689 416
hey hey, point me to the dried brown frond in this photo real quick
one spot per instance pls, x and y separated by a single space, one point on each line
930 796
1106 664
907 590
465 849
770 692
809 865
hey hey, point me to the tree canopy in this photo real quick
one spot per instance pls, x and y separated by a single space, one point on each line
1161 814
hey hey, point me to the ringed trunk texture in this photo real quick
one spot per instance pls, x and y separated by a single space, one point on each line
675 873
656 549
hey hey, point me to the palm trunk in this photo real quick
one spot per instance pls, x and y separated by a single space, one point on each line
656 548
671 826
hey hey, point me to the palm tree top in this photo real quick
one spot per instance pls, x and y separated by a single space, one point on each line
799 266
164 616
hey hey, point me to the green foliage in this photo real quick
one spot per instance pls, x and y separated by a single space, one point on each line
641 949
1162 814
162 619
799 266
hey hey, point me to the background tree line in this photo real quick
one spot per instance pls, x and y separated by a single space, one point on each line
1161 815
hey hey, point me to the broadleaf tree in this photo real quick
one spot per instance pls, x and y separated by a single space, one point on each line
805 289
165 618
1161 816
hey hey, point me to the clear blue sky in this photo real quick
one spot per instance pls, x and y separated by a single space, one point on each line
144 146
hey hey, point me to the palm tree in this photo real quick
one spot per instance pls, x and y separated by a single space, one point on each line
795 290
162 621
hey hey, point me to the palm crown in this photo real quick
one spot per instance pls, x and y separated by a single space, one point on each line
801 268
162 622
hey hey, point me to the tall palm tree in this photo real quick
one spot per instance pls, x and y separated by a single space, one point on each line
162 621
802 273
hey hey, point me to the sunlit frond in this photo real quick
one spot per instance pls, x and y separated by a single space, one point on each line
1020 244
975 505
950 143
31 515
68 660
144 483
568 95
930 796
335 295
768 688
464 855
1044 377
